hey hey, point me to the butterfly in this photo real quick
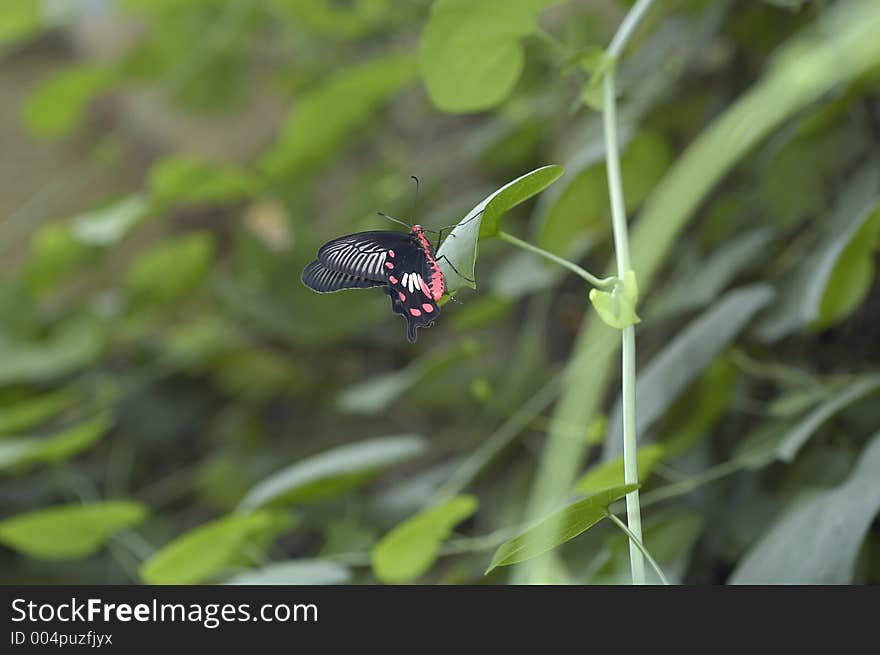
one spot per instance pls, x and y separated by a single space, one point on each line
403 263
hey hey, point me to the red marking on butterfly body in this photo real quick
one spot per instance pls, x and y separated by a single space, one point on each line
436 283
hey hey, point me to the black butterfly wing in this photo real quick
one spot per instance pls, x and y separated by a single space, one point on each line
409 290
319 278
355 261
363 254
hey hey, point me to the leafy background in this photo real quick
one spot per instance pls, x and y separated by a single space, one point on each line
176 408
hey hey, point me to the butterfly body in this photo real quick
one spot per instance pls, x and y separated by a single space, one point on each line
403 263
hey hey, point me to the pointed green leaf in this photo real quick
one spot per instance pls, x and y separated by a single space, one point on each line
460 246
206 551
19 451
411 548
58 105
334 471
186 180
328 115
610 473
30 412
69 531
561 526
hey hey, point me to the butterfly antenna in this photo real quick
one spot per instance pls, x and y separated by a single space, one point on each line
415 199
396 220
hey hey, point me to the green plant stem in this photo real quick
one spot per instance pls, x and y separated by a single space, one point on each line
601 283
621 249
638 543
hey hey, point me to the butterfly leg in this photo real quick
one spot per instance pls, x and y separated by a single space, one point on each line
452 266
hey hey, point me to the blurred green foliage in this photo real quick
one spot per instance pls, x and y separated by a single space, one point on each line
175 407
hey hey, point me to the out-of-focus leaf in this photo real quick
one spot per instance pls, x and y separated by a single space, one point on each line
18 451
375 394
295 572
71 345
795 438
698 290
21 19
471 55
107 226
687 355
610 473
172 268
559 527
844 269
203 553
29 412
460 247
411 548
325 117
187 180
332 19
831 283
578 207
701 406
59 104
334 471
55 254
69 531
796 402
817 540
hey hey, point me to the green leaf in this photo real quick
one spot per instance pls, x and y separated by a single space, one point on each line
21 19
295 572
460 246
375 394
610 473
795 438
844 270
333 113
29 412
172 268
683 359
73 344
412 547
561 526
69 531
471 53
618 307
19 451
58 105
109 225
333 472
187 180
817 540
205 552
829 285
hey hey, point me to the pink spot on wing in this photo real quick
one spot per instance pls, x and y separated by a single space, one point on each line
414 311
401 295
391 253
392 279
428 308
389 265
